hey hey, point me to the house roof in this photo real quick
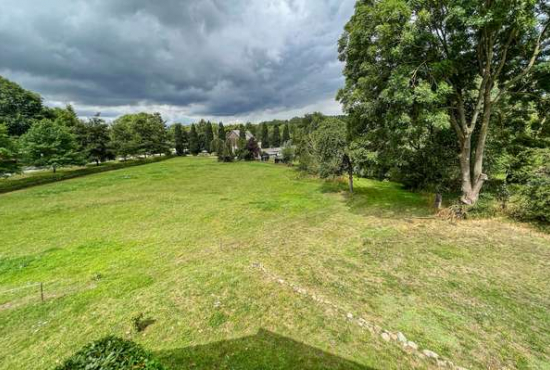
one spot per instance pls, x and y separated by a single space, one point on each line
237 133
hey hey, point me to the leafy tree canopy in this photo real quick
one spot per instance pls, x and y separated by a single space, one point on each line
415 66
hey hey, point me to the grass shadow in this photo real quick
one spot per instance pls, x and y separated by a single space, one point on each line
265 350
381 199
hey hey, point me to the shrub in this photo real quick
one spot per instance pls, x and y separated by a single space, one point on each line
111 353
531 178
288 153
533 200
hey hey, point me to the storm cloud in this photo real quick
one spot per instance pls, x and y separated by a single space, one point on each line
220 59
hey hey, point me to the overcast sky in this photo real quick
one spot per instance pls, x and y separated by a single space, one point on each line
187 59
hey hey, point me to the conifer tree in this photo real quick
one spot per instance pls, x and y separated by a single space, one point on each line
276 139
264 136
194 141
209 135
178 138
221 132
286 134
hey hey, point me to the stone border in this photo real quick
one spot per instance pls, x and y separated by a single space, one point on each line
399 338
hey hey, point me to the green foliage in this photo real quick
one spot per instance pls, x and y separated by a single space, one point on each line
286 134
264 137
530 176
194 147
534 198
93 137
221 132
217 146
67 116
151 133
140 134
227 155
276 137
178 139
416 68
209 136
330 148
111 353
9 163
251 128
242 133
124 139
250 152
288 152
50 144
19 108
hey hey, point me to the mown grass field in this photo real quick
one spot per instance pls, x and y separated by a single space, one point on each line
199 247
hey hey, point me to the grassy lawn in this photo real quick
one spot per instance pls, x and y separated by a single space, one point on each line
249 266
46 176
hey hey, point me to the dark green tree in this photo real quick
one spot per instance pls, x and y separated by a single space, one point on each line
276 137
251 128
242 132
209 136
264 136
19 108
286 134
178 139
194 147
221 132
50 144
331 150
95 140
8 153
124 139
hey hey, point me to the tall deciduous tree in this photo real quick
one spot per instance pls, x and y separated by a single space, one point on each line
94 139
50 144
331 150
417 65
8 153
194 147
123 137
19 108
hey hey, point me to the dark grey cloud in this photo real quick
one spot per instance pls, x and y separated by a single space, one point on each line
215 58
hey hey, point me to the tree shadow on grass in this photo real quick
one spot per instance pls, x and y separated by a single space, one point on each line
265 350
380 199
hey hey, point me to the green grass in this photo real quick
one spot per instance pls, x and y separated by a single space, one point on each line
27 180
179 241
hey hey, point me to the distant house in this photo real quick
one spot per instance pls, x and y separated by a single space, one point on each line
234 135
273 152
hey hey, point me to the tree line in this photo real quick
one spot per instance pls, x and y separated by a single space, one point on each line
36 135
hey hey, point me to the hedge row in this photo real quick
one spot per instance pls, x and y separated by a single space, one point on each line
41 178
